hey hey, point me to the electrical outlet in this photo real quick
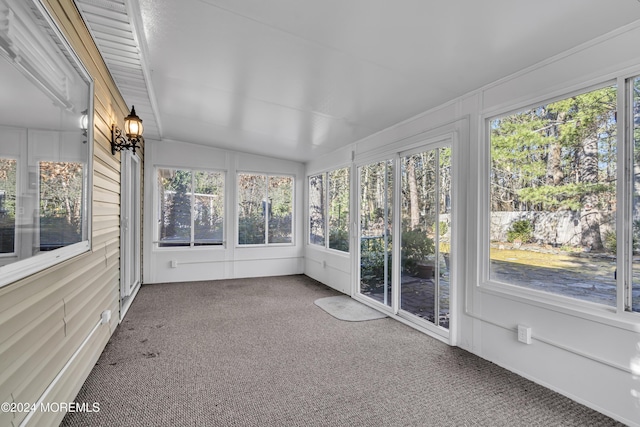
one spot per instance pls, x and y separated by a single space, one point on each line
105 316
524 334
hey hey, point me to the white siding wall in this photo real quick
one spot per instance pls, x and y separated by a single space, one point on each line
44 318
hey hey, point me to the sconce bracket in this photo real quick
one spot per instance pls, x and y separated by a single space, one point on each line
119 142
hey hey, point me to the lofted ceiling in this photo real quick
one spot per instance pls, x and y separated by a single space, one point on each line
296 79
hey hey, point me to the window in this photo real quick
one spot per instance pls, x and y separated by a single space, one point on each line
45 156
61 190
265 209
425 242
376 230
330 218
634 296
406 215
552 221
317 209
339 209
191 208
8 169
51 212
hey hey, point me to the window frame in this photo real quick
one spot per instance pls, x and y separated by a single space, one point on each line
13 272
39 163
43 260
328 205
191 245
326 226
324 177
17 206
611 315
627 184
437 139
266 243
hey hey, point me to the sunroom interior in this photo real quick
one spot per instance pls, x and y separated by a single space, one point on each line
470 169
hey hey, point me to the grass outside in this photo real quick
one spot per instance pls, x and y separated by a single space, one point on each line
538 259
586 276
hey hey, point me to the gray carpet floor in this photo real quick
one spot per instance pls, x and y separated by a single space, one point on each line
258 352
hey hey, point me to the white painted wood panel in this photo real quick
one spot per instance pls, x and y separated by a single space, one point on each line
228 261
582 354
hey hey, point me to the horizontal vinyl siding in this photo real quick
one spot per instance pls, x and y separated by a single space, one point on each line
45 318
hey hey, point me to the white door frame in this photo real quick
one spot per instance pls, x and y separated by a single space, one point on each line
439 140
130 229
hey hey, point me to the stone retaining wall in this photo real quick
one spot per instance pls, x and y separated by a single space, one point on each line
550 228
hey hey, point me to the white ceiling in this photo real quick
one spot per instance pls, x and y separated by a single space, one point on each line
296 79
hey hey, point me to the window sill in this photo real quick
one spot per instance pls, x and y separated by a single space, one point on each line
11 273
266 245
594 312
168 248
336 252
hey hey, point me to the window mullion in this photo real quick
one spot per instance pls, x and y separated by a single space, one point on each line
396 226
624 221
436 269
325 212
266 210
193 206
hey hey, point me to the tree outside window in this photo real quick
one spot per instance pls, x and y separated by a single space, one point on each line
265 209
8 169
339 209
317 209
329 209
191 209
553 197
61 196
635 214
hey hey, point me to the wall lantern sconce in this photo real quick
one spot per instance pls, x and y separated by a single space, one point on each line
132 134
84 124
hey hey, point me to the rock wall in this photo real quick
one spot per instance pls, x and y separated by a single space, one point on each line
561 228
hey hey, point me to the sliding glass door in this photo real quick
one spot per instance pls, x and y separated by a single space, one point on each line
376 222
426 235
405 233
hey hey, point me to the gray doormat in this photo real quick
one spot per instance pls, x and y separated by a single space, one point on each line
346 308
